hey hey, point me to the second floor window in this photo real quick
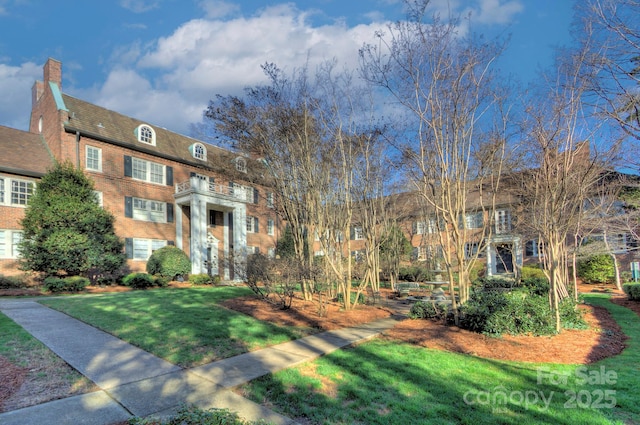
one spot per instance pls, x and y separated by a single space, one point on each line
20 191
147 210
503 221
94 158
252 224
270 227
148 171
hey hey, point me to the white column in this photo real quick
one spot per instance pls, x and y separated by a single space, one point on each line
177 213
240 238
198 247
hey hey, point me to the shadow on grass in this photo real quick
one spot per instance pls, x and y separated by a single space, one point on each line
389 383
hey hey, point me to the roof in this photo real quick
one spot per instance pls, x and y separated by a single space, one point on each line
103 124
23 153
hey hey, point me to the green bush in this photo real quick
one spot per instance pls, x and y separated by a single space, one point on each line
138 280
428 310
532 271
11 282
520 310
200 279
494 283
632 290
536 285
413 274
169 261
67 284
161 281
597 269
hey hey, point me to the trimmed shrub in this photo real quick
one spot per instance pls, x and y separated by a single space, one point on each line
67 284
169 261
520 310
138 280
632 290
200 279
11 282
192 415
161 281
428 310
597 269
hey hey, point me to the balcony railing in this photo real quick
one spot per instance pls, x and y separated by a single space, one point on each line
194 184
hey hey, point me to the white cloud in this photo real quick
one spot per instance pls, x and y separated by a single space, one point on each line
497 11
218 9
180 73
15 86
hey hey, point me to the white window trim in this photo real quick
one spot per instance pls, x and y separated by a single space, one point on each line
358 234
151 245
241 164
148 167
6 191
86 157
251 220
148 213
194 151
9 243
270 227
503 221
139 131
269 199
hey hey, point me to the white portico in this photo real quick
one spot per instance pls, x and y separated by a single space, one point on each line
216 224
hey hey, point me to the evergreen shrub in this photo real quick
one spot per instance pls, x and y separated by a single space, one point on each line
169 261
632 290
597 269
138 280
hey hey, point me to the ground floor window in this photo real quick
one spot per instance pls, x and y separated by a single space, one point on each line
9 241
141 249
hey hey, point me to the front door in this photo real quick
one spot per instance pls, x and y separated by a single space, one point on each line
504 258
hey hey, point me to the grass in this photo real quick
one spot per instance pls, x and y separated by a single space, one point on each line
383 382
187 327
44 370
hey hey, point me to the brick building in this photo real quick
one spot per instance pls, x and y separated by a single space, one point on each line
162 187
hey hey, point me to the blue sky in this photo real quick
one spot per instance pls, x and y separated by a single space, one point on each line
162 60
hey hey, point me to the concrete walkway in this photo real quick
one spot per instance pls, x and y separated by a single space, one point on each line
135 383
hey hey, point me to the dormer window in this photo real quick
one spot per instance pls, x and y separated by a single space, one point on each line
198 151
241 165
145 134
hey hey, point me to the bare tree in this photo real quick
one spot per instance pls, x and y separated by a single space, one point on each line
610 29
444 81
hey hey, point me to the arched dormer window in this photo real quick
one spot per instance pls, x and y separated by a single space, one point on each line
146 134
198 151
241 164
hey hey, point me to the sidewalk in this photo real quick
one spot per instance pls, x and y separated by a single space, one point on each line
136 383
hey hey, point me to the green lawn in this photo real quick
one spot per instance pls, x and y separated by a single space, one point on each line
184 326
377 382
382 382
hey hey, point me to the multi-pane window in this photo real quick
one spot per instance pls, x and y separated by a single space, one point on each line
143 248
270 227
471 250
94 158
146 135
503 221
147 171
21 191
15 192
156 173
271 252
269 199
424 227
241 165
473 220
252 224
533 248
358 234
199 151
147 210
9 243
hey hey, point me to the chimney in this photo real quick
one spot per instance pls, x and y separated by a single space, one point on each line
53 72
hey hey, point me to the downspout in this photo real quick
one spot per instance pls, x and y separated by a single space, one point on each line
78 149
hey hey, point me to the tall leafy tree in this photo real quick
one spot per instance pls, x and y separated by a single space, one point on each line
66 232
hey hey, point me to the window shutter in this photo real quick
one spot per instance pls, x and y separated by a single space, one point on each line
169 173
255 225
352 233
212 180
255 195
128 166
414 253
169 212
231 188
171 243
128 206
128 247
191 174
414 227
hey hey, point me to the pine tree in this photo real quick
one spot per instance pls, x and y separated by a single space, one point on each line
66 232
